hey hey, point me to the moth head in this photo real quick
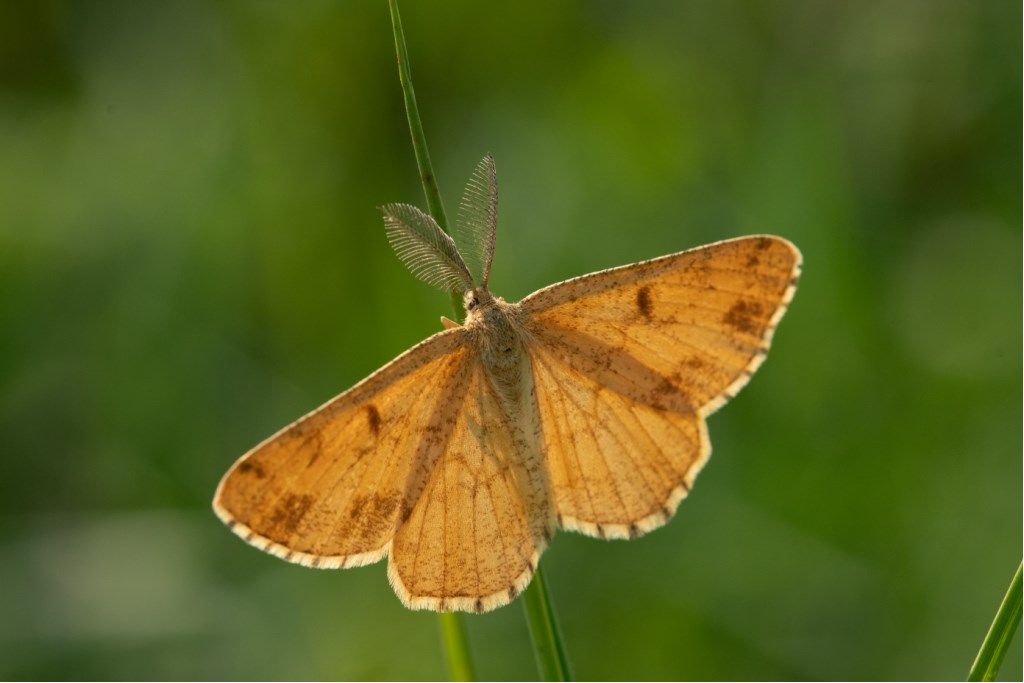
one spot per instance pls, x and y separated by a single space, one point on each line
477 300
433 255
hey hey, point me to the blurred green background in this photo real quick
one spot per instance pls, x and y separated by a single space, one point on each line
190 257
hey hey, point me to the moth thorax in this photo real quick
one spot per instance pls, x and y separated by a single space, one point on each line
496 332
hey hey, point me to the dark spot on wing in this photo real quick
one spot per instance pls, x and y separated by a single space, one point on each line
311 441
666 394
743 316
384 505
643 301
753 261
373 419
358 503
375 512
763 243
290 511
253 468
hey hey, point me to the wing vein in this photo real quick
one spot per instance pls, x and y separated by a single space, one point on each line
561 440
597 447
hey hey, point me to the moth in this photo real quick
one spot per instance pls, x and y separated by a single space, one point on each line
581 407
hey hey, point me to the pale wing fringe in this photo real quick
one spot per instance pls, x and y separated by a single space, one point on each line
426 250
477 221
484 603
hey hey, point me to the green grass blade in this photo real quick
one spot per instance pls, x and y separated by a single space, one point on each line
419 140
547 641
453 631
456 647
1000 633
552 661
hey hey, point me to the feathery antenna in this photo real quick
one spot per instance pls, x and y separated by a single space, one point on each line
476 226
426 250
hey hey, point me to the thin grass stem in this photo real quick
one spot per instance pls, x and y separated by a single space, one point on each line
1000 634
419 140
456 647
548 649
453 631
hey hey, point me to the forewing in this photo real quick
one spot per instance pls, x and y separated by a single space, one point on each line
473 541
331 489
629 361
700 320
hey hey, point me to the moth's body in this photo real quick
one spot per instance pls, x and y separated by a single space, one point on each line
495 328
497 331
581 407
